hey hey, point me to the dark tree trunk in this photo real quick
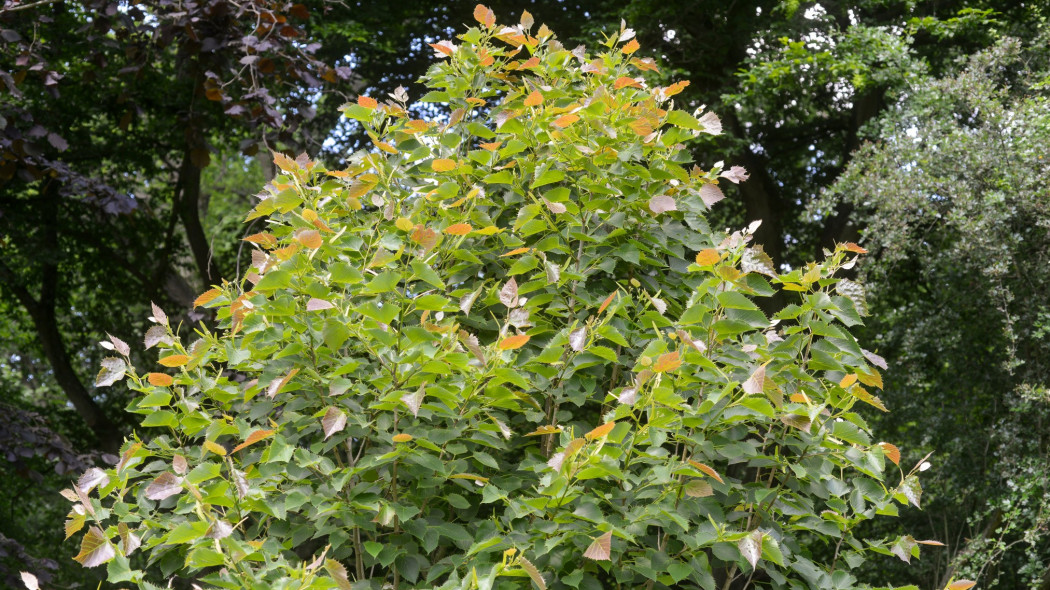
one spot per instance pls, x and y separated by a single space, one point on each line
42 310
189 212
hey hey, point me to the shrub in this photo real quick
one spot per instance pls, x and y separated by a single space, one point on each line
504 348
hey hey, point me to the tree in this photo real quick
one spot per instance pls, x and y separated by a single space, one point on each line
954 199
104 131
505 344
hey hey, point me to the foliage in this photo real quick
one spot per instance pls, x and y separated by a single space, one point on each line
955 200
504 344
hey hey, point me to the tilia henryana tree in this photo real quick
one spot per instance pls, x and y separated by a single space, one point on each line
504 349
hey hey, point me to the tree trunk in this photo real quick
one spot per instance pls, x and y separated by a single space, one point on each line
42 311
189 212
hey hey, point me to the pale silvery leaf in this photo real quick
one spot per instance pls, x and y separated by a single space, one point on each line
553 272
316 304
626 35
91 478
756 382
659 304
508 295
240 482
662 203
578 338
628 396
179 465
875 359
711 194
736 174
156 335
220 529
519 318
30 581
130 540
755 259
334 420
111 372
95 549
854 292
556 461
166 485
711 124
119 345
158 317
467 301
751 547
555 208
414 400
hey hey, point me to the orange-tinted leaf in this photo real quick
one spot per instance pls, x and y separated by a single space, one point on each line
565 120
647 64
443 48
600 431
207 297
930 543
641 127
425 237
160 379
484 15
667 362
491 147
284 162
367 102
534 98
532 62
892 452
459 229
607 301
675 88
515 252
253 438
264 239
853 247
800 398
310 238
708 257
401 438
174 360
386 147
624 81
443 165
848 380
706 469
600 549
513 342
631 47
961 585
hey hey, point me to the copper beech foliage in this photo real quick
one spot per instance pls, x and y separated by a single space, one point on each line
503 349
